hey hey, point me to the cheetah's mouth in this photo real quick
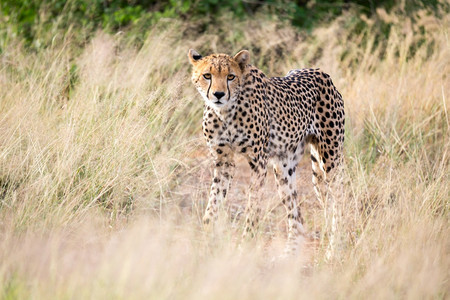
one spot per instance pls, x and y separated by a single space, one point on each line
217 102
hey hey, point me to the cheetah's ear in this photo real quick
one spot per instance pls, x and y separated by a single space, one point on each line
193 56
242 58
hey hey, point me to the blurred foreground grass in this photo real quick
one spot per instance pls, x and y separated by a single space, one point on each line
104 173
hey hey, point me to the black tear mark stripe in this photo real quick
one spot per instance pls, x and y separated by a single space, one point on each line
210 82
207 93
228 88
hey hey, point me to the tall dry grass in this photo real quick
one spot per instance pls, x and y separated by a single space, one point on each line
104 174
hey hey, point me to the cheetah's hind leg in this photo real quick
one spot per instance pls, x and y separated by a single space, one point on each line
327 186
285 177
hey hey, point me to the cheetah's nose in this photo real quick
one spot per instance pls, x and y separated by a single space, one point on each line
219 95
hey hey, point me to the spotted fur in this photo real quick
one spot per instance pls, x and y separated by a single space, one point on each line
266 118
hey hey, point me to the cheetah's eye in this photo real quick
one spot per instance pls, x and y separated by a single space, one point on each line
207 76
230 77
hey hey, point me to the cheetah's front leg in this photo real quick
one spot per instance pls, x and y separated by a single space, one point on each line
253 211
223 175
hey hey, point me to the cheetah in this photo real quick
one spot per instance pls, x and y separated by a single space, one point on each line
265 118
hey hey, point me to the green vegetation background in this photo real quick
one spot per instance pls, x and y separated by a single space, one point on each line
37 21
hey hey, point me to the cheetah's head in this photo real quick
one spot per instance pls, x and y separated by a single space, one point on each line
218 77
